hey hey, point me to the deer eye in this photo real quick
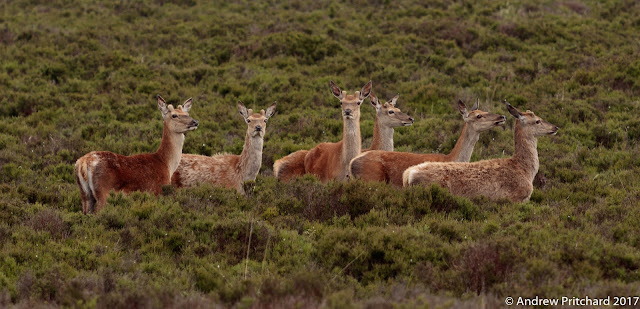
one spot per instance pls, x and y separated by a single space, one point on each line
248 120
479 116
537 121
265 121
391 112
174 116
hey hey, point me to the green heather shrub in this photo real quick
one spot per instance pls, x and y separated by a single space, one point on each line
81 76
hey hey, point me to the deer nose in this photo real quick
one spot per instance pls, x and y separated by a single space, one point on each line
503 117
411 119
194 123
347 112
258 128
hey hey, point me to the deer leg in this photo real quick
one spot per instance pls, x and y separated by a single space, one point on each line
91 203
88 201
85 195
85 201
100 200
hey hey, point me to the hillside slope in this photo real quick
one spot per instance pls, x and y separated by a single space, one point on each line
81 76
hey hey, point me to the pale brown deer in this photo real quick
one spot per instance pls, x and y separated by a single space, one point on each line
99 172
506 178
228 170
388 117
388 166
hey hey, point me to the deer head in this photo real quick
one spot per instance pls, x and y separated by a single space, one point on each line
256 122
532 124
479 120
350 102
177 120
388 114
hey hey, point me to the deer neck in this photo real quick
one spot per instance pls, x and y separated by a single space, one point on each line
170 150
463 149
382 137
351 142
251 157
526 150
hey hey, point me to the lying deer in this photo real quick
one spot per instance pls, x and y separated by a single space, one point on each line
389 166
99 172
388 117
227 170
506 178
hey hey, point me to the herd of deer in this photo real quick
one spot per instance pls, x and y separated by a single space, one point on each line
99 172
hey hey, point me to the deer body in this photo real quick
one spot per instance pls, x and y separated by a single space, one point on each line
99 172
228 170
331 160
388 166
506 178
290 166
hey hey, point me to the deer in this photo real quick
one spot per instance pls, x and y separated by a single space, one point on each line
388 117
329 160
386 166
99 172
498 179
228 170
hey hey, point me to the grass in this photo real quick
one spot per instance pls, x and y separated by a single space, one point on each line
81 76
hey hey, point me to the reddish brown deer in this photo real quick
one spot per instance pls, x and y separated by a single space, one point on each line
227 170
388 117
506 178
331 160
388 166
99 172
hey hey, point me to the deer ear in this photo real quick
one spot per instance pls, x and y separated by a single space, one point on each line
271 110
394 100
162 106
335 90
366 90
477 105
463 109
186 106
513 111
243 110
374 101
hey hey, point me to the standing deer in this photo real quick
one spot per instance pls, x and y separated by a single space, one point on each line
227 170
99 172
388 166
506 178
388 116
331 160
